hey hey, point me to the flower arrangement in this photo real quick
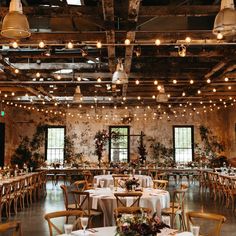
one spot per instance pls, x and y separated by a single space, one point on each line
139 224
131 182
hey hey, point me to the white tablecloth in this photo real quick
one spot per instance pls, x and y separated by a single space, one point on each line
144 180
111 231
105 201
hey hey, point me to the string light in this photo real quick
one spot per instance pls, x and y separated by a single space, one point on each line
15 44
41 44
158 42
70 45
208 81
137 82
127 42
226 79
155 82
174 81
191 81
99 80
188 39
16 71
99 44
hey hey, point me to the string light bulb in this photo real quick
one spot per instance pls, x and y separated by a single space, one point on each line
188 40
15 44
158 42
127 42
137 82
41 44
99 44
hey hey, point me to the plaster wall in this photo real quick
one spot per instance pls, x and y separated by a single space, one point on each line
20 123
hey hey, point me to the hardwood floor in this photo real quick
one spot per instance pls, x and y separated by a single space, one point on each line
34 224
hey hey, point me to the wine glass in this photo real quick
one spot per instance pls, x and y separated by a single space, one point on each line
84 223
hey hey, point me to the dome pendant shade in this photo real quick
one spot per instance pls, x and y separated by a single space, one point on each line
119 76
15 24
225 21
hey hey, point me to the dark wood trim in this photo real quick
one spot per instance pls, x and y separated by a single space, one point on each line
46 136
119 126
192 137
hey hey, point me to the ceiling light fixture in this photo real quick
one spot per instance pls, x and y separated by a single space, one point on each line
182 50
15 23
120 76
225 21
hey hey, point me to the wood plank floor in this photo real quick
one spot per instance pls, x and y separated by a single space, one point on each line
34 224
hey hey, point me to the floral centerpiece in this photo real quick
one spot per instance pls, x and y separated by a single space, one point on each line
132 225
129 183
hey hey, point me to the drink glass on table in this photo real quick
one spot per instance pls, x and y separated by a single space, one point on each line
195 230
84 223
68 229
101 183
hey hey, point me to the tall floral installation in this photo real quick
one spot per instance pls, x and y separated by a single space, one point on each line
101 139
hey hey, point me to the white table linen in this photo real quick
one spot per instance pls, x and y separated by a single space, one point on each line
144 180
111 231
104 200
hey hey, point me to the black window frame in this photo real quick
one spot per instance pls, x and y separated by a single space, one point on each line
192 138
128 135
46 138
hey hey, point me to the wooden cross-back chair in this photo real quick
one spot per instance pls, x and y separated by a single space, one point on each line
194 218
4 192
160 184
66 200
13 226
82 202
176 208
80 185
58 214
121 199
117 178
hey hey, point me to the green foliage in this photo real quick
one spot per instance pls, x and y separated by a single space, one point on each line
28 151
210 146
142 149
161 153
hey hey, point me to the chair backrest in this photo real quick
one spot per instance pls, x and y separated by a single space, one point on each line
118 178
13 226
81 200
119 211
160 184
65 196
214 220
53 215
80 185
178 200
122 199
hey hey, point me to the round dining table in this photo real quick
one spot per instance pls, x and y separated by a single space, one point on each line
103 199
111 231
144 180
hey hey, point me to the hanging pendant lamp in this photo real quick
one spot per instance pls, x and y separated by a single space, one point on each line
225 21
15 24
120 76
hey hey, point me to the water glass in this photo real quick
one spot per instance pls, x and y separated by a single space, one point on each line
112 187
84 222
139 172
108 172
101 183
68 229
195 230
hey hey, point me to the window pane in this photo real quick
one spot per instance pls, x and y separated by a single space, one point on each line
119 148
55 145
183 144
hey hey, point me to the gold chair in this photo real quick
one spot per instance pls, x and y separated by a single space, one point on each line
206 220
50 216
160 184
176 208
13 226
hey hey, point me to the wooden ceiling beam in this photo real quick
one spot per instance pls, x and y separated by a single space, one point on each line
145 11
133 13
